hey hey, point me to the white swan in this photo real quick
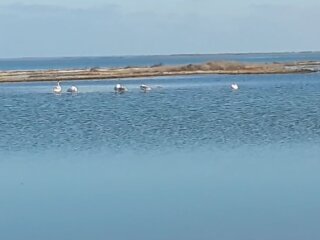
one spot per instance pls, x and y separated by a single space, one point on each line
57 89
234 86
120 88
72 89
145 88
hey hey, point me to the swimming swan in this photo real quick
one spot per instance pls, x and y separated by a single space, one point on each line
57 89
120 88
72 89
145 88
234 86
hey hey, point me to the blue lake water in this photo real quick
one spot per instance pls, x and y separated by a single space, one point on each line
125 61
189 160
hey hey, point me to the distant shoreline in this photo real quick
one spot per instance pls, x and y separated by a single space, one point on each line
231 68
155 55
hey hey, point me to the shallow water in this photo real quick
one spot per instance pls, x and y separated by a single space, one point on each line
188 112
190 160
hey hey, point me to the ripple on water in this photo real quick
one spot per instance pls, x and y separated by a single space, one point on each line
196 111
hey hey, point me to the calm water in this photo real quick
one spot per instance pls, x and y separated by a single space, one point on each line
124 61
189 160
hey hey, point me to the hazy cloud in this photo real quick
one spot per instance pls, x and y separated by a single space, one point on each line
55 30
43 9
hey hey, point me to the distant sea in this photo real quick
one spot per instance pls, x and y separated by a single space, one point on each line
190 159
125 61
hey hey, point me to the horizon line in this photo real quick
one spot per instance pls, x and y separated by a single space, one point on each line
159 55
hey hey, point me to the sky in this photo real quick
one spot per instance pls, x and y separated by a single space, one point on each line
53 28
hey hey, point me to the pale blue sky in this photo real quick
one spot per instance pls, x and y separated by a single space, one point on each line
44 28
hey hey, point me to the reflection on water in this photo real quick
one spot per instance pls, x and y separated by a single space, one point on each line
193 160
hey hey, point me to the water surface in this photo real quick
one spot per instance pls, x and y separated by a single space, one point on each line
140 61
190 160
